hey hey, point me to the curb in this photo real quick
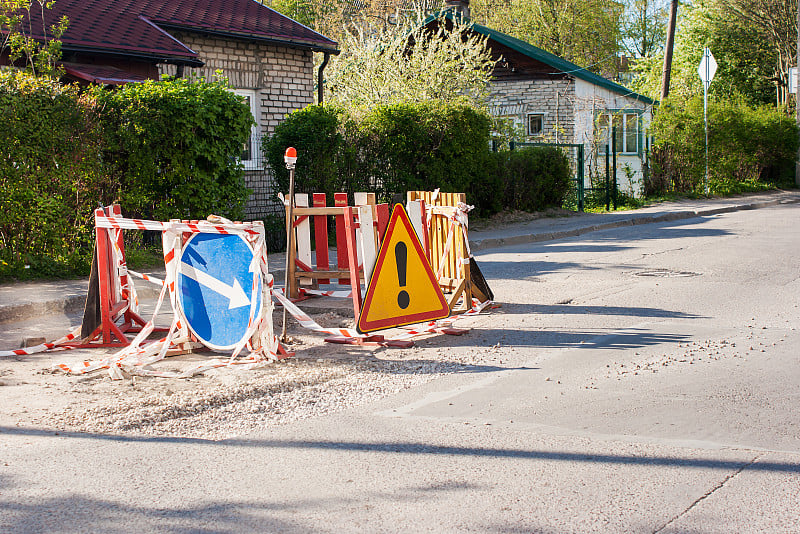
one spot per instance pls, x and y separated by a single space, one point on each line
523 239
29 310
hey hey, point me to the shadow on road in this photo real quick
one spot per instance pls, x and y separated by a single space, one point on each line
426 449
579 309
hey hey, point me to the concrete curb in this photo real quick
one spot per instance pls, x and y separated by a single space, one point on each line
635 220
28 310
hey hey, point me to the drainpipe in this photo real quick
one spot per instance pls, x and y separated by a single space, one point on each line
320 77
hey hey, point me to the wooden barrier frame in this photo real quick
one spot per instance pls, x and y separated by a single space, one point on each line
359 229
437 209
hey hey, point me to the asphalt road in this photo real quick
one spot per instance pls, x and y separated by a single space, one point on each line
648 382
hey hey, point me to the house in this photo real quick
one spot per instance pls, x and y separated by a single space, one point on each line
553 100
266 56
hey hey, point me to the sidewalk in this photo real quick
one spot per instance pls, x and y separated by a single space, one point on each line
27 300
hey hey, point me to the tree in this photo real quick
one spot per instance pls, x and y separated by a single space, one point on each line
411 64
644 27
746 61
586 32
774 21
26 37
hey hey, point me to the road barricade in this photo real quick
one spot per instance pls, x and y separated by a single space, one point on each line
442 221
118 302
358 232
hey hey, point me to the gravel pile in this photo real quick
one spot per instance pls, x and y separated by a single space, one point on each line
230 403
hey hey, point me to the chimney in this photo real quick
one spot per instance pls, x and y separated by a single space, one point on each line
460 7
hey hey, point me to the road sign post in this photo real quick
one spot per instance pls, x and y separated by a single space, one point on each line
290 158
706 70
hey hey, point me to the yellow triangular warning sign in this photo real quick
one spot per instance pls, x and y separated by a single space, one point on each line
403 289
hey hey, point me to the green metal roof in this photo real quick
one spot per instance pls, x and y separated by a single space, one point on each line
553 60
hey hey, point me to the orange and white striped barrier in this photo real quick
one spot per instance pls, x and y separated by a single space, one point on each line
139 355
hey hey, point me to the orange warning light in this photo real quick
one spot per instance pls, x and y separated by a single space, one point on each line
290 158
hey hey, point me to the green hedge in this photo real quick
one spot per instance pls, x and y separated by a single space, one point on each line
174 147
534 178
749 148
161 149
51 175
403 147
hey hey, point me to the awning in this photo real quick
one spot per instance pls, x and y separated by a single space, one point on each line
102 74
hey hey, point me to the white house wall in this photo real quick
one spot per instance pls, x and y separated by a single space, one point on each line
589 101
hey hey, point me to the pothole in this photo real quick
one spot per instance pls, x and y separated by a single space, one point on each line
666 273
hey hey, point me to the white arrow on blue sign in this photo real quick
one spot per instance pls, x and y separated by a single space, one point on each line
214 288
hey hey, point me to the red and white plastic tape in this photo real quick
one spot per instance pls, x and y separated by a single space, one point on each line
139 355
416 330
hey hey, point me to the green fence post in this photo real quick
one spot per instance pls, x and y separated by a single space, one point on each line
580 178
614 164
608 177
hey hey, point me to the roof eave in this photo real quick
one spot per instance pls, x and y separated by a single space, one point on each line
152 57
294 43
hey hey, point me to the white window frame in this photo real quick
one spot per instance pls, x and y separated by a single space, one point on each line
605 133
254 163
528 124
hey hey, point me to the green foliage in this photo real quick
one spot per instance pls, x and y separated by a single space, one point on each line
644 27
750 148
390 150
532 178
17 28
586 32
423 146
51 176
410 64
162 149
746 60
316 134
175 145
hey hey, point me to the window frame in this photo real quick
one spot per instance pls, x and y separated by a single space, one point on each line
622 115
528 118
254 163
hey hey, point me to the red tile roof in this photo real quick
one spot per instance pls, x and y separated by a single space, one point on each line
139 27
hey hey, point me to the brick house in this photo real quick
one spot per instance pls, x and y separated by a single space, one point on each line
266 56
550 99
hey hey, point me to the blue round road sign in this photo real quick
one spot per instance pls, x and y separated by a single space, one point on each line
214 288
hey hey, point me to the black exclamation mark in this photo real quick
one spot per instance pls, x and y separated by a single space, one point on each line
400 256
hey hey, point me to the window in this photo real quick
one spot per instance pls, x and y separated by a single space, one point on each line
627 136
535 123
251 150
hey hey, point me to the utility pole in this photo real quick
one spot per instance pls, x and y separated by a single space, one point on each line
673 14
797 97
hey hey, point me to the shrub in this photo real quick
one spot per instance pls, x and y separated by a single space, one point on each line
749 148
162 149
534 178
51 176
315 131
175 146
390 150
424 146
